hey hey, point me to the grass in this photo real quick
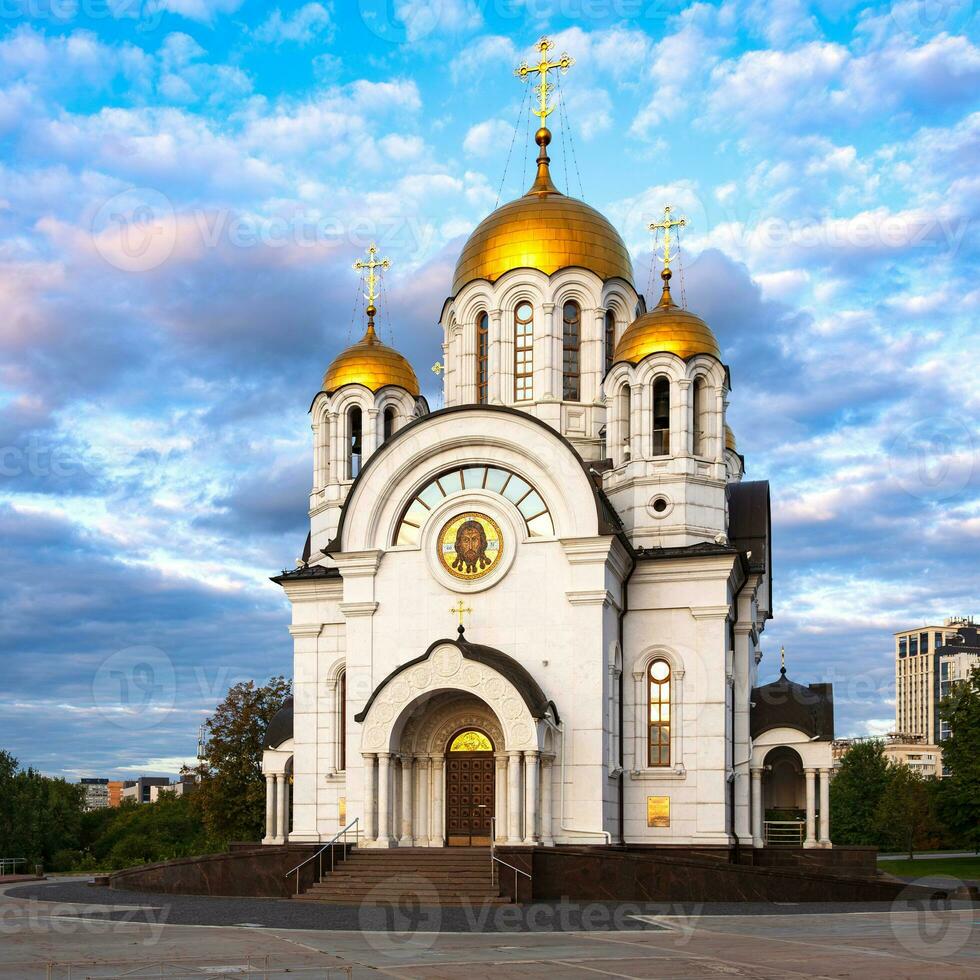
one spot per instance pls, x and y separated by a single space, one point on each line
963 868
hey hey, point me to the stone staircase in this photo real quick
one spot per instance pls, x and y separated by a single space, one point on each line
409 876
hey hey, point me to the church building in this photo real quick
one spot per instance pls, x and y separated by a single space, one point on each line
534 616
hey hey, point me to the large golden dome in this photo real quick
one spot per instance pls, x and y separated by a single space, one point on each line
544 230
667 327
372 364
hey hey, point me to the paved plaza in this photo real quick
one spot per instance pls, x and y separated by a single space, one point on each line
152 936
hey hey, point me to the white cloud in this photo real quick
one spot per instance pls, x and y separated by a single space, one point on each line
305 25
487 138
203 11
422 18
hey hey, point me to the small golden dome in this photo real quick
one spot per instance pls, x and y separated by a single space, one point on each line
372 364
544 230
669 328
730 439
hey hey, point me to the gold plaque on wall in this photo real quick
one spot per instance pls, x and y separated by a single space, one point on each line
342 811
470 545
658 811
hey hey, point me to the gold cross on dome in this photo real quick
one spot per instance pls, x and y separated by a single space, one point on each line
460 610
524 70
372 279
665 226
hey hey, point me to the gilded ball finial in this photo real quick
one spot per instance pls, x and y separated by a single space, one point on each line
543 136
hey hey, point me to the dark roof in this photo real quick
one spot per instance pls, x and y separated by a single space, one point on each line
969 644
784 704
750 525
308 571
281 727
686 551
535 699
608 520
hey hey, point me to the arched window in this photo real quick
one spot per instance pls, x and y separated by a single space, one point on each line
342 722
523 352
661 417
389 422
353 442
658 741
571 341
482 356
610 345
697 407
625 409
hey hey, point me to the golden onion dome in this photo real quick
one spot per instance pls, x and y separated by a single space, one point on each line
730 439
372 364
667 327
544 230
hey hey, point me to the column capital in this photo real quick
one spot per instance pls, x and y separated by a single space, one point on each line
437 759
809 771
825 770
385 755
531 754
369 756
422 761
512 753
547 760
757 771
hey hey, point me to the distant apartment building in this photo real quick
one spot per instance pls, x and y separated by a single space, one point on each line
115 792
911 750
96 793
179 788
138 790
928 661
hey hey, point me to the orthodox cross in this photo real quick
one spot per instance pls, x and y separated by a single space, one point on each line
782 660
460 610
524 70
438 368
665 227
372 278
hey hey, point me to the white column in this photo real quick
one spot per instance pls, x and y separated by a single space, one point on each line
513 797
757 840
438 838
825 808
370 824
811 808
270 809
384 809
531 797
422 831
546 818
500 796
406 838
282 815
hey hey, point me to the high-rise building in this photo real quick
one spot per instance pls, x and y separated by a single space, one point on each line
96 792
928 659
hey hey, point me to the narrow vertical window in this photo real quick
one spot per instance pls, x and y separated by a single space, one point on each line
661 417
523 352
353 442
659 697
571 344
610 341
482 357
625 410
697 406
342 722
389 423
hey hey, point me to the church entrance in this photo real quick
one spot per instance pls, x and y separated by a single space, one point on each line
469 789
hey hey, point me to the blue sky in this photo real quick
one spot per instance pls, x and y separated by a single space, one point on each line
185 183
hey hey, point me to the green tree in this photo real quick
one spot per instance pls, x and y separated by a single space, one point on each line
960 797
231 791
905 818
856 792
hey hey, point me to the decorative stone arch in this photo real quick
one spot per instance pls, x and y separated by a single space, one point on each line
445 439
816 759
641 767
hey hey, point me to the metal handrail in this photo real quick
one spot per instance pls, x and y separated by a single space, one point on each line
13 862
496 860
319 854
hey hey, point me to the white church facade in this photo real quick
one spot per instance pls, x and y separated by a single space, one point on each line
534 615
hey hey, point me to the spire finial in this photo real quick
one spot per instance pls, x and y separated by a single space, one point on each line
524 70
665 226
782 661
460 610
373 278
542 182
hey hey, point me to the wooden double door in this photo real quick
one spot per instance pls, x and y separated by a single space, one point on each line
469 798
